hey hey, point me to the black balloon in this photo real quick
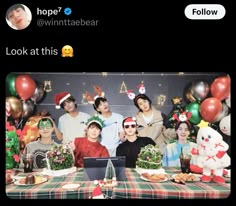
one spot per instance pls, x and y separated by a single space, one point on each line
38 93
28 108
200 90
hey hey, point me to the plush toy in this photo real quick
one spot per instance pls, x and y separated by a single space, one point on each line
212 154
225 125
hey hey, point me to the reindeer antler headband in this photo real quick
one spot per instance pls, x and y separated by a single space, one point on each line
99 93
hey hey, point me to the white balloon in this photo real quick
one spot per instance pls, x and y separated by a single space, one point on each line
225 125
224 112
228 101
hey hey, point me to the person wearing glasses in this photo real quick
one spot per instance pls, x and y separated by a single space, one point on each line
43 144
133 144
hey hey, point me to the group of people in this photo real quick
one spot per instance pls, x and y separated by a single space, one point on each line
108 133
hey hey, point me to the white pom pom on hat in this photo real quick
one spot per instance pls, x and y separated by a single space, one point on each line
60 98
129 120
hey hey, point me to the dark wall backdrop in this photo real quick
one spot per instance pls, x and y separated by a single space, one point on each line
158 83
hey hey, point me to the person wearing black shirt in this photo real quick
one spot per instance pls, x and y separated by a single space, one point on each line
133 144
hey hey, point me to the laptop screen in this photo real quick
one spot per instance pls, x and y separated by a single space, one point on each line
95 167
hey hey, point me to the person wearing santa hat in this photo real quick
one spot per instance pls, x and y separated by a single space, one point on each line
90 146
72 123
112 134
150 121
133 144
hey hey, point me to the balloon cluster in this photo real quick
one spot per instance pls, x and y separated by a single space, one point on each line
22 94
214 109
207 102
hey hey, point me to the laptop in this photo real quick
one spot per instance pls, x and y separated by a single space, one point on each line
95 167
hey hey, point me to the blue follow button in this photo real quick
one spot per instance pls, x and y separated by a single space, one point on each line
204 11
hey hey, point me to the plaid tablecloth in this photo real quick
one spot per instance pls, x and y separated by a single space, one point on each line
136 188
52 189
133 188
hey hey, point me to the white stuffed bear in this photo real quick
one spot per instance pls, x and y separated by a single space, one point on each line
212 155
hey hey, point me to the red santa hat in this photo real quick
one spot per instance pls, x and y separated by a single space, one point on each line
97 193
129 121
140 85
60 98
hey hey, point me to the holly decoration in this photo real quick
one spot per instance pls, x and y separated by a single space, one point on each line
12 147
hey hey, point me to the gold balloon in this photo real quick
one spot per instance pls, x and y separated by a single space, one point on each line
189 96
15 107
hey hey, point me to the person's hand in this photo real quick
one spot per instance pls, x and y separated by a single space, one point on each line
122 136
71 144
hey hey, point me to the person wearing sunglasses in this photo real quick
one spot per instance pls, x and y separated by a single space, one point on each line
133 144
43 144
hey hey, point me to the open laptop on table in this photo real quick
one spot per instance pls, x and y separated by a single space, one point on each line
95 168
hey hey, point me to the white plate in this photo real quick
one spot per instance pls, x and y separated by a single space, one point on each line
20 176
143 178
196 176
71 186
150 171
23 175
19 182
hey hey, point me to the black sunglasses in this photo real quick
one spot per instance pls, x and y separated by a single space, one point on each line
132 125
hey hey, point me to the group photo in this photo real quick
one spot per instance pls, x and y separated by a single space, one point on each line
118 135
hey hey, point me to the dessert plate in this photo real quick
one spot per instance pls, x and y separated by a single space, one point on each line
196 178
151 180
71 186
12 180
21 182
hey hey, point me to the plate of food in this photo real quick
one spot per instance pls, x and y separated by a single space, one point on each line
154 177
31 180
186 177
10 181
71 186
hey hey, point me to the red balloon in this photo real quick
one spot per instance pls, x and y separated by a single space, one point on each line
25 86
210 108
220 88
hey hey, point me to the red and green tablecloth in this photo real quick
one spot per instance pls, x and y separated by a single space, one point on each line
133 188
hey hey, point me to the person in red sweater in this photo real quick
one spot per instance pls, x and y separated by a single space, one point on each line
90 146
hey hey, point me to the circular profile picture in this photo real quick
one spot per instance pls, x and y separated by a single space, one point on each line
18 16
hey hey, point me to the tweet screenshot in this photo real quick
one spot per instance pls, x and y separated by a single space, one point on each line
72 132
